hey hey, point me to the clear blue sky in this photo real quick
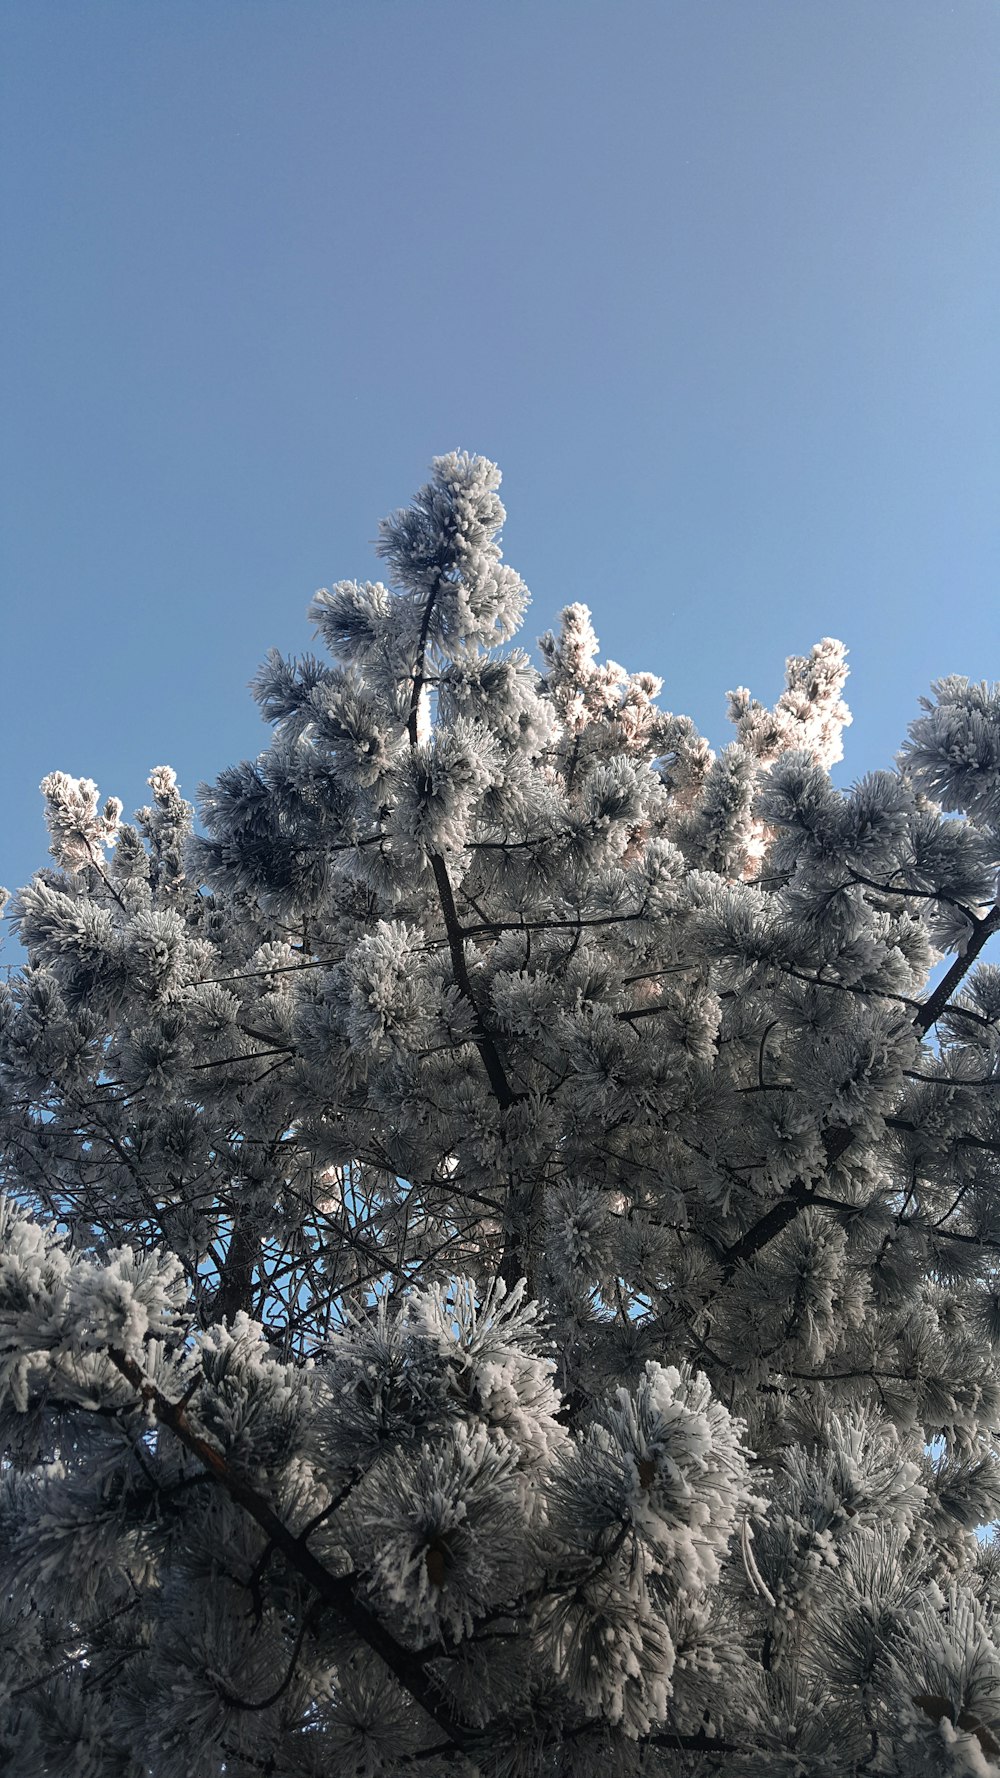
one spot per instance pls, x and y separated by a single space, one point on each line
717 283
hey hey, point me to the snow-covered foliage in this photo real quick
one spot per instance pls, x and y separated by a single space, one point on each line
500 1262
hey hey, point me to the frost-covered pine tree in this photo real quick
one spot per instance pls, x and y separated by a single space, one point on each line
500 1262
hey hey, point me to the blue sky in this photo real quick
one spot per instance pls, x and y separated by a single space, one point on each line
717 283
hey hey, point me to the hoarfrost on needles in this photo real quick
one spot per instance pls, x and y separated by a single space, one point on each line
498 1268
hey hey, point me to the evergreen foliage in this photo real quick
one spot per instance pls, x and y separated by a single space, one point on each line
499 1265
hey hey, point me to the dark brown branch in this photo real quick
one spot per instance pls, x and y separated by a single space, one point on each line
698 1743
931 1011
418 680
337 1591
799 1197
503 1092
837 1142
283 1685
554 925
766 1228
70 1661
496 1074
235 1290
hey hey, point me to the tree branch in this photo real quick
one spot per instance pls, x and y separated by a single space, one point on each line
417 681
503 1092
800 1196
236 1273
837 1142
931 1011
334 1590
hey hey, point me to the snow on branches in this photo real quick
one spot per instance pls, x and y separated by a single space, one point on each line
500 1262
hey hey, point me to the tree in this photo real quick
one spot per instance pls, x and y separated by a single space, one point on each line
499 1269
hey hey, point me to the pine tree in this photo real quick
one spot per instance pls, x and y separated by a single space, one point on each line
499 1263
